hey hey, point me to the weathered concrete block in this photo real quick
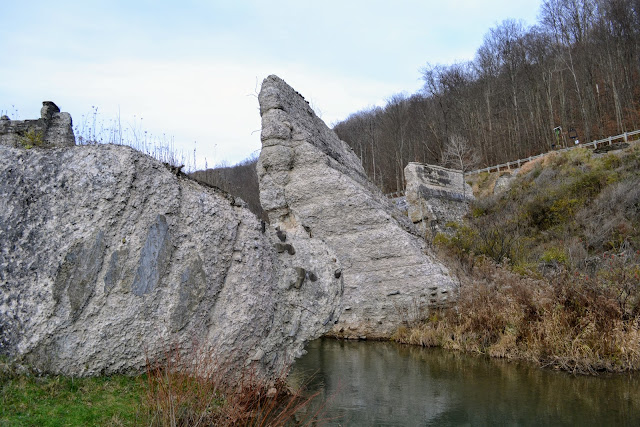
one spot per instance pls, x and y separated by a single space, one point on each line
435 195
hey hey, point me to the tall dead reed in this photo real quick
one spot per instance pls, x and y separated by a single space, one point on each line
197 390
93 129
567 321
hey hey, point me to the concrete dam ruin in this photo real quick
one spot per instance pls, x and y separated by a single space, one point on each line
435 196
108 257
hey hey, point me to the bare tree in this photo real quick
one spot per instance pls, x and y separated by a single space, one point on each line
460 154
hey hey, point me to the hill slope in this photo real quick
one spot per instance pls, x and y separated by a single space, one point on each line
550 268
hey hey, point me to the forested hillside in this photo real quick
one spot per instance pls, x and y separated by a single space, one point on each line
578 68
240 180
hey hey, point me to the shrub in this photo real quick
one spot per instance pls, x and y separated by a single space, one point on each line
461 242
621 274
589 184
555 255
441 239
32 139
535 172
611 162
606 228
477 210
496 242
537 213
578 156
563 210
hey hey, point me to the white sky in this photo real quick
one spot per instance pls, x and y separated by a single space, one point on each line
191 68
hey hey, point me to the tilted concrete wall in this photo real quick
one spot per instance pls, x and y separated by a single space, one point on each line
109 258
313 186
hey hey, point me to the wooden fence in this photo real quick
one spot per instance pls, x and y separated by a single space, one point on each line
625 137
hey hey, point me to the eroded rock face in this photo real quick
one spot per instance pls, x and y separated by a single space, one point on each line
52 129
435 196
314 188
107 257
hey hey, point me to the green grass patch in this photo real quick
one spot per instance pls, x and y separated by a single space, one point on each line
27 400
555 255
176 390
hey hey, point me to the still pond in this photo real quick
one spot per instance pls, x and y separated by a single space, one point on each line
387 384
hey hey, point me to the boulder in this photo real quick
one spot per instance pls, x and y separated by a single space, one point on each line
108 258
313 187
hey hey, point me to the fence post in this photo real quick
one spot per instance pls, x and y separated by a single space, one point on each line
625 137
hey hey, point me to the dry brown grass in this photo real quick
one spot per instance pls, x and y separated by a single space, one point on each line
483 184
197 391
570 322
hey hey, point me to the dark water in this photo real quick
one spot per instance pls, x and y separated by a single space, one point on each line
385 384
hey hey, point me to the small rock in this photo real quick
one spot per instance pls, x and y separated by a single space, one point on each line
302 274
282 247
259 354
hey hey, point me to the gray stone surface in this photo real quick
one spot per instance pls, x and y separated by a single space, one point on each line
314 188
52 129
435 195
401 204
504 181
107 257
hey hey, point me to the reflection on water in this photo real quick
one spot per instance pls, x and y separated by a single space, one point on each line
377 383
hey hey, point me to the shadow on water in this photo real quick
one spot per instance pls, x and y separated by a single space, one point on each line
380 383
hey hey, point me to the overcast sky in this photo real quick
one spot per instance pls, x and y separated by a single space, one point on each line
191 69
